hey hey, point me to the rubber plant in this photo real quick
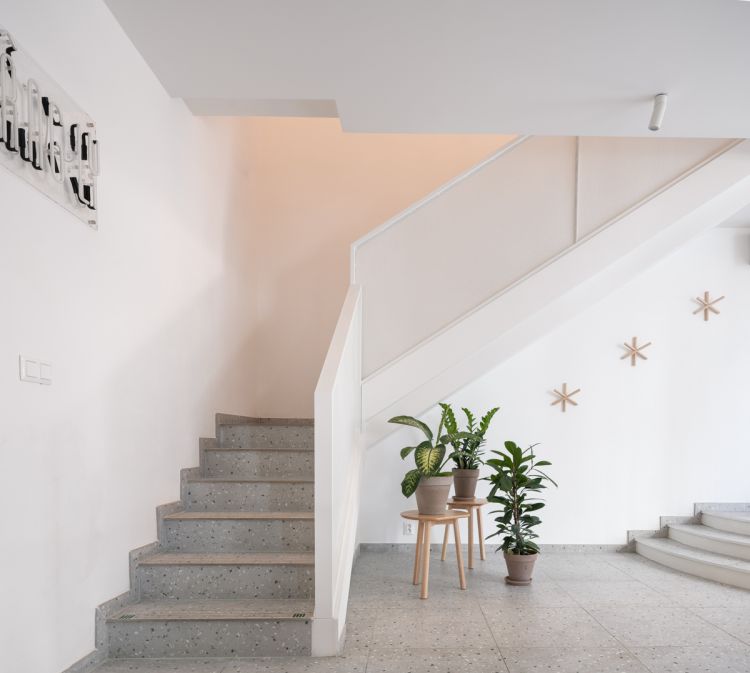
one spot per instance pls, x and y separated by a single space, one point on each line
516 481
429 455
467 452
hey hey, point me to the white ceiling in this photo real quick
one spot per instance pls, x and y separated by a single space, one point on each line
558 67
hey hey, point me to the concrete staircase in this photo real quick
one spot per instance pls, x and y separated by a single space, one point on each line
713 544
232 572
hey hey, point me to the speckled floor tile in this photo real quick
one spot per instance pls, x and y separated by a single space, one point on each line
455 660
733 620
598 593
555 627
571 660
695 659
654 626
691 591
498 595
162 666
346 664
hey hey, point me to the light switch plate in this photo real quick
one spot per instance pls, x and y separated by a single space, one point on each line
34 371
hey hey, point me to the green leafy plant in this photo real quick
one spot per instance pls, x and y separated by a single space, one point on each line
515 481
429 455
467 452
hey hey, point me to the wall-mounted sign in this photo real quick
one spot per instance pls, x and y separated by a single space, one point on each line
45 138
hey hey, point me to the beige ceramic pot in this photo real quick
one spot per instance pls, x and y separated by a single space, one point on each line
465 483
432 494
520 568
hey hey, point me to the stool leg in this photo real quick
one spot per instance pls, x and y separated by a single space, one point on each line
445 542
417 553
471 541
459 558
481 533
425 559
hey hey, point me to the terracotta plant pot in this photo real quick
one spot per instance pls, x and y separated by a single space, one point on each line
520 568
432 494
465 483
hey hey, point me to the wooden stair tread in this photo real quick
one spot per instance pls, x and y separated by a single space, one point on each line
228 558
239 516
216 609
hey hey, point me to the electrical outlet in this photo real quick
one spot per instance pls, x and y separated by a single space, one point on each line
408 528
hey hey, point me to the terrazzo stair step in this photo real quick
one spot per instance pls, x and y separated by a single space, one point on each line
265 435
258 462
710 539
239 531
248 495
730 522
708 565
225 575
211 628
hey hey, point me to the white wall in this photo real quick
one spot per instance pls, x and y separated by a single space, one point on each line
146 324
310 190
644 441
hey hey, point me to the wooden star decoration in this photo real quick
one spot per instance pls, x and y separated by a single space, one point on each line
565 397
707 305
634 351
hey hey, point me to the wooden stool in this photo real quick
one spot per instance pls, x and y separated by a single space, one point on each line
474 508
422 554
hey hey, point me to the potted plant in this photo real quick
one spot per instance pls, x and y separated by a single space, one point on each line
428 480
516 479
467 452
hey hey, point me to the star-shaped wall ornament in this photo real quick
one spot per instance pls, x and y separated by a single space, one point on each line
634 351
565 397
707 305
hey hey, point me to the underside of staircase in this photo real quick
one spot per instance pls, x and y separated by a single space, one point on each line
713 544
233 570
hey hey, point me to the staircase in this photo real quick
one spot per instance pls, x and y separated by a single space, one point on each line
232 574
713 544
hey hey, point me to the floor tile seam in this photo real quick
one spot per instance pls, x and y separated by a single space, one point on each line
716 626
494 640
624 646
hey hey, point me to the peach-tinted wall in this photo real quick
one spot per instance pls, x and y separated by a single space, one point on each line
311 191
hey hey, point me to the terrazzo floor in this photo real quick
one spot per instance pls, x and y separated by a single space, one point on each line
596 612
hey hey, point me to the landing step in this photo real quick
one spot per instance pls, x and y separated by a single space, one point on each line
228 559
731 522
209 610
711 540
709 565
243 480
239 516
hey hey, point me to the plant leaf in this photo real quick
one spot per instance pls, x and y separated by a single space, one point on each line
429 458
413 422
410 482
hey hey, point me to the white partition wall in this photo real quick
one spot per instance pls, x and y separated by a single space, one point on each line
338 461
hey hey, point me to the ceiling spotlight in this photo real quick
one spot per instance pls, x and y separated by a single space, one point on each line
657 116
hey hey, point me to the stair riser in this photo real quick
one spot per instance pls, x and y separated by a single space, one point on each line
238 536
209 638
694 567
284 436
249 497
727 525
259 464
225 581
716 546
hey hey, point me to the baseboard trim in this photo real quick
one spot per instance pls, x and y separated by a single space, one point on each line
381 547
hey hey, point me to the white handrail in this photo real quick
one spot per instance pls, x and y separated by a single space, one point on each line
338 460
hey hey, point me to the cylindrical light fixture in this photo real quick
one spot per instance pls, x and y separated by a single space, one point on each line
657 115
